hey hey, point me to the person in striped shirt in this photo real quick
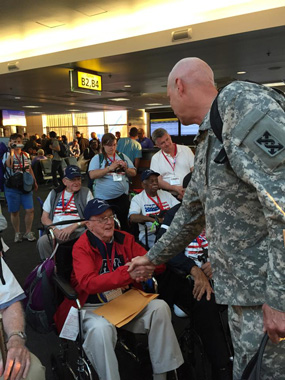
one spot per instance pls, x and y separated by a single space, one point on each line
149 206
16 161
64 203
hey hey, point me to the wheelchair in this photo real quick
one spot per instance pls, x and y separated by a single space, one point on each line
128 346
175 288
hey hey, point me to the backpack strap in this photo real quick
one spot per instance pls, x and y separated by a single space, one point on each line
1 273
121 156
217 127
101 159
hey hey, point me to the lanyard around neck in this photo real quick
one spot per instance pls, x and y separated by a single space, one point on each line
158 203
19 160
174 161
110 263
64 207
112 160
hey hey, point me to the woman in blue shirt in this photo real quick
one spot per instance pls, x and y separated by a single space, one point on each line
111 171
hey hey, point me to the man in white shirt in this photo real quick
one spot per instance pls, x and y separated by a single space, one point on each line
148 206
62 204
172 162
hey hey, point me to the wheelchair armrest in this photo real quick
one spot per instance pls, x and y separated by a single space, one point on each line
176 270
64 287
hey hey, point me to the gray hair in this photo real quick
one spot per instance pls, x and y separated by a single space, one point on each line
158 133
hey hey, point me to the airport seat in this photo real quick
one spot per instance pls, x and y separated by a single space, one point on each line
46 169
71 161
63 164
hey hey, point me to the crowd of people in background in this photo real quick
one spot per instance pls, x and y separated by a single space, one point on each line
25 154
237 202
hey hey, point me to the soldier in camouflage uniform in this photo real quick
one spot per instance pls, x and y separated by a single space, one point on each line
242 204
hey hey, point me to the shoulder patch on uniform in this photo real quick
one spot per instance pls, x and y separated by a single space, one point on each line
269 143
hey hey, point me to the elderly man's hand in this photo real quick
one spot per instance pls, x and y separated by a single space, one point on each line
141 273
207 269
144 268
273 323
18 360
64 233
179 190
201 284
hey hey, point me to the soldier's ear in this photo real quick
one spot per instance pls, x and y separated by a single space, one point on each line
180 86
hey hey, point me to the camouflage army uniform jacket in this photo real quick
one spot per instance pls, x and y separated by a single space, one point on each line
241 202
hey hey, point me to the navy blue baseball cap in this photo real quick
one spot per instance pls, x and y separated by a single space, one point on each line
72 171
147 173
95 207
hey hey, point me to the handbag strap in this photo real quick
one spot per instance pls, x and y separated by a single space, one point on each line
260 355
253 369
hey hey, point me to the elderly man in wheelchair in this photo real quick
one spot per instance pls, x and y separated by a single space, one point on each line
66 202
100 267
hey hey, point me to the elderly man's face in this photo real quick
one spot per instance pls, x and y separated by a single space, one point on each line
102 225
151 185
72 185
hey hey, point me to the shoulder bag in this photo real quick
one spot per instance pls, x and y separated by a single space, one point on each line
253 369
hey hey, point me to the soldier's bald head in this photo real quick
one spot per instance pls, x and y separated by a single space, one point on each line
192 70
191 90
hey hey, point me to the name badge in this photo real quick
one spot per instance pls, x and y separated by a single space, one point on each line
174 181
112 294
117 177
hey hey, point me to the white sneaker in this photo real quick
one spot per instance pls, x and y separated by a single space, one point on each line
178 312
18 237
30 236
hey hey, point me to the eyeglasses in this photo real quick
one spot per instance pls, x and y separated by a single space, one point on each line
104 220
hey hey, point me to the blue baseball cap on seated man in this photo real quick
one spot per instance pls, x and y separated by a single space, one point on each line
147 173
95 207
72 171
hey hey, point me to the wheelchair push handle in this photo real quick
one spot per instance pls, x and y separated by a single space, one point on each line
204 257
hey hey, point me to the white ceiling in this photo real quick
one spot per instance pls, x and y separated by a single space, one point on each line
252 42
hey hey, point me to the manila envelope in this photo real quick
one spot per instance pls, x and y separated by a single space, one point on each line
126 307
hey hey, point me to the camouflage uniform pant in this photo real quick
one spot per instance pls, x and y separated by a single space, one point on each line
246 323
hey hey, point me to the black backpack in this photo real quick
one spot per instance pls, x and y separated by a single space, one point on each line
217 125
47 149
63 150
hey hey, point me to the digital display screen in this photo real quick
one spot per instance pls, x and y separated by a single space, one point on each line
170 125
191 129
11 117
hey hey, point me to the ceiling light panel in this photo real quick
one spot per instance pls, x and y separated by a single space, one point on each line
90 10
119 99
49 22
31 106
274 84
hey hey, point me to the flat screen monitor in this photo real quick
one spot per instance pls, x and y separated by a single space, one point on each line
191 129
170 125
12 117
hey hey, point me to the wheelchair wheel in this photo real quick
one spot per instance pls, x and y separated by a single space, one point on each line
195 361
59 371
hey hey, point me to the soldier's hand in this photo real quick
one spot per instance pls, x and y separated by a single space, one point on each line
141 261
201 284
273 323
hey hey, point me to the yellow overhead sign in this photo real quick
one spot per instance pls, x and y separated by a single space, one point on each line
89 81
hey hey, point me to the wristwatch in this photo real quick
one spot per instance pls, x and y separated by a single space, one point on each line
21 334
